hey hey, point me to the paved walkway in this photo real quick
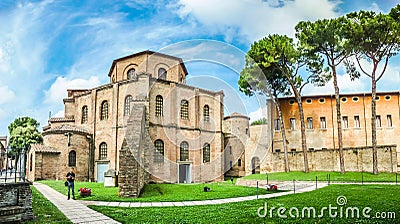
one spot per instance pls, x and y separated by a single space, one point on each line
74 210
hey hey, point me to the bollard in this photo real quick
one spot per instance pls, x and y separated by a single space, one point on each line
329 179
362 178
257 190
294 187
316 182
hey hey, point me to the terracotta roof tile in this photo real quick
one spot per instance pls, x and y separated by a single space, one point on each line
62 119
43 148
67 128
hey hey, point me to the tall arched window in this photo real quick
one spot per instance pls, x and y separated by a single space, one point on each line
158 151
184 109
184 151
131 73
103 151
206 112
239 162
127 105
72 158
104 110
84 114
159 106
162 73
206 153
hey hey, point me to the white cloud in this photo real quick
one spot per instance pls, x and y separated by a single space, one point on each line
375 7
209 51
345 85
258 114
255 19
58 90
6 95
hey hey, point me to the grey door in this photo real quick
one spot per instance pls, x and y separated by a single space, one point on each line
184 173
101 168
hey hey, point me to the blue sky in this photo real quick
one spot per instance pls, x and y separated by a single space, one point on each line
48 46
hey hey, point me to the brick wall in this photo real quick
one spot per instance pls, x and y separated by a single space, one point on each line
15 202
356 159
132 160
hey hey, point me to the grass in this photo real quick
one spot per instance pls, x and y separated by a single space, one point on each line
161 192
381 198
322 176
44 210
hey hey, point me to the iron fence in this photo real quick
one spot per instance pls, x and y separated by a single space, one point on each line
13 166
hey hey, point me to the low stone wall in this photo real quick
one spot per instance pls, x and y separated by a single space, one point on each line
15 202
357 159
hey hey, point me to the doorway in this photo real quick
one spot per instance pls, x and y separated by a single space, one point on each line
184 173
255 165
101 168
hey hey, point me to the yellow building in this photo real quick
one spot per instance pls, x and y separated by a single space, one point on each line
321 131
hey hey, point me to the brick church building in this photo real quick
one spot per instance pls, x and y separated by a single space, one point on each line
147 105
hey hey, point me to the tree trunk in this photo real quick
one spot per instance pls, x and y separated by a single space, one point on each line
339 119
303 128
373 125
303 136
283 132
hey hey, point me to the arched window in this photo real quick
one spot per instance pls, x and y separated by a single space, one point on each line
158 151
104 110
184 109
206 113
162 73
127 105
239 162
131 73
103 151
72 158
206 153
159 106
184 151
84 114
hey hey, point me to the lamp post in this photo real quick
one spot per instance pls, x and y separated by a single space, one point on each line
267 177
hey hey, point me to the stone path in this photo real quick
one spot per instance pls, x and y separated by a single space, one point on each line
282 185
204 202
74 210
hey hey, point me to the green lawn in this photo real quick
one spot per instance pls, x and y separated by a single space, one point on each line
44 210
322 176
162 192
380 198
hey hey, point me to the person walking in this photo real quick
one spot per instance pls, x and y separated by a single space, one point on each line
71 178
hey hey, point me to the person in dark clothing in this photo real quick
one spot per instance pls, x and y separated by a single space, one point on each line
71 178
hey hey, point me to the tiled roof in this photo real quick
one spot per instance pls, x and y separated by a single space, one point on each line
62 119
149 53
236 114
43 148
63 128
